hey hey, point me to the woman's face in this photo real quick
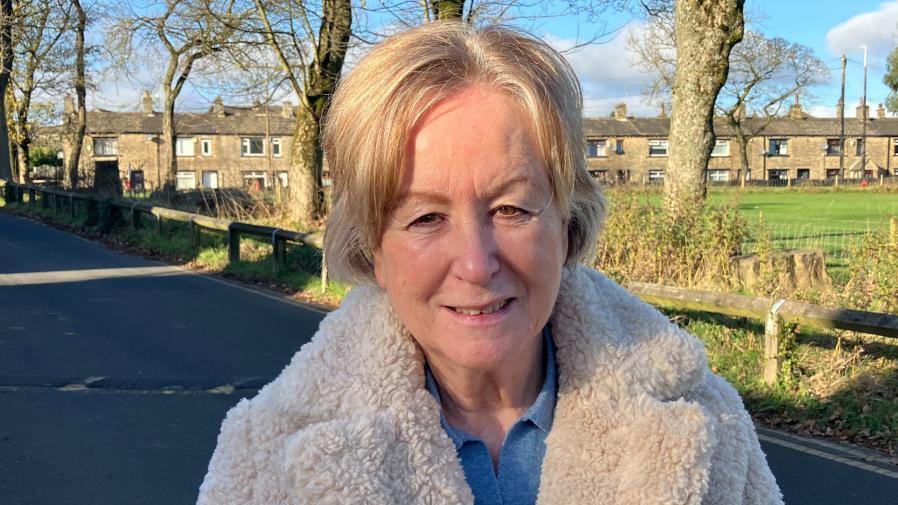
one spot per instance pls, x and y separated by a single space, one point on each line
472 253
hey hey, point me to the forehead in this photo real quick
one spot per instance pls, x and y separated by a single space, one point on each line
480 139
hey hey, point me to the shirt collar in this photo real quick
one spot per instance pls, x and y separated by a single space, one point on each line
541 413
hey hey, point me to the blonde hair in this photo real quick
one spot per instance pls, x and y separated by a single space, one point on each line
377 104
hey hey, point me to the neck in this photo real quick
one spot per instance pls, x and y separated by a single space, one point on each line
486 403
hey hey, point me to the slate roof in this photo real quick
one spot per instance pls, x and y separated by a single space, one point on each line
233 121
785 127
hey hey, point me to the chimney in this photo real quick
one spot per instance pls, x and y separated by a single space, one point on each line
880 112
620 111
795 111
862 110
662 113
68 105
257 107
147 100
839 109
218 107
287 109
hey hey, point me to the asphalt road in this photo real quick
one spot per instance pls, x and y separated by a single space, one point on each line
115 373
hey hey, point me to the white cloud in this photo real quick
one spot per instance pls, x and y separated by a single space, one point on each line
877 30
609 74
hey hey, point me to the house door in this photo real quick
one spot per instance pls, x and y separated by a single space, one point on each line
106 178
136 181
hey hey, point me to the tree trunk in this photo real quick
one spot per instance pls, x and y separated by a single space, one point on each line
22 150
169 160
706 31
448 9
76 134
306 191
304 180
6 55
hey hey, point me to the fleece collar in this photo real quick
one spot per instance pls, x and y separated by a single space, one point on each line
622 431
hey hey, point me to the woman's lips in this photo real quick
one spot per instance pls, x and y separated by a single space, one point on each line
482 315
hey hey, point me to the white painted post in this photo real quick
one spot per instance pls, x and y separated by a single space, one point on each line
772 331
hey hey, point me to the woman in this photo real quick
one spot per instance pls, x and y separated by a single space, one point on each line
477 362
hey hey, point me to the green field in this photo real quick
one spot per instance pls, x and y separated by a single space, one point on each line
827 220
854 210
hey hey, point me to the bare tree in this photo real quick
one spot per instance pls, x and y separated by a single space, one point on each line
183 32
8 19
306 44
764 72
77 123
38 68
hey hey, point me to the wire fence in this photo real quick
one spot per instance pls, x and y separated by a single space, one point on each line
835 242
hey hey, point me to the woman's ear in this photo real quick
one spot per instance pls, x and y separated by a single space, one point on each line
378 266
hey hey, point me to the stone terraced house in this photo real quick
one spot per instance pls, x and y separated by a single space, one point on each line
622 148
250 147
223 147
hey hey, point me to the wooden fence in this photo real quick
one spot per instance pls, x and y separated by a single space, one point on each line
776 312
278 237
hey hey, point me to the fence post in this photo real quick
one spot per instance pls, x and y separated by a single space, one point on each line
233 245
44 203
772 331
323 272
56 204
31 197
193 230
72 206
135 218
893 231
160 225
279 251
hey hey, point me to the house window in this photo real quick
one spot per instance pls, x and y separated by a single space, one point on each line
276 147
895 147
859 147
619 146
596 148
777 174
658 147
255 180
186 180
718 175
721 148
210 179
184 146
206 147
283 179
804 173
778 147
833 147
105 146
252 146
832 173
656 175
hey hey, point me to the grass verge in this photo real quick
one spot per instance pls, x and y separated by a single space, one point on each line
301 278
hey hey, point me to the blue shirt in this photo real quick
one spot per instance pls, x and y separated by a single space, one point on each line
521 455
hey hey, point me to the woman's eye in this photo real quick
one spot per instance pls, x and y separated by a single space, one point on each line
511 212
425 221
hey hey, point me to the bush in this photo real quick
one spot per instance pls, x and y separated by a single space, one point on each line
642 243
873 270
41 155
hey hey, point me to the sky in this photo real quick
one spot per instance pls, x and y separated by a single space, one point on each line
609 75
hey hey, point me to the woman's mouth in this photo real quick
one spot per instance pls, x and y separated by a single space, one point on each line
495 307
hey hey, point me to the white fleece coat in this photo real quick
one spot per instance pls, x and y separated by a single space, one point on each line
639 418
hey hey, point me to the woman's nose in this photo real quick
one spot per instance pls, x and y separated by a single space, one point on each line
475 255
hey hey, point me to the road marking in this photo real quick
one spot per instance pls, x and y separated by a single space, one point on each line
95 274
826 455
